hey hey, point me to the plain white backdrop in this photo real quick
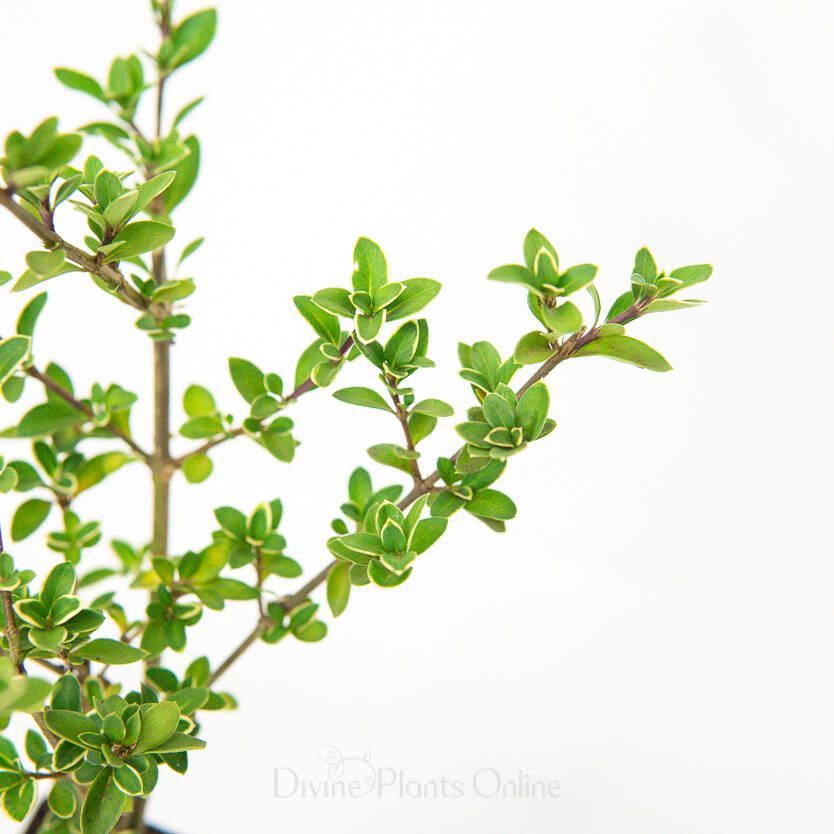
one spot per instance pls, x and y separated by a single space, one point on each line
654 630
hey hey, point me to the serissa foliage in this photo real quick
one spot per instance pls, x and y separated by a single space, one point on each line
96 746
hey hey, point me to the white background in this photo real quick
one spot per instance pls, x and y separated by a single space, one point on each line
654 630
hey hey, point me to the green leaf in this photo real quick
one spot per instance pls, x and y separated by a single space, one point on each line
645 266
172 291
67 755
516 274
338 587
67 188
191 249
426 533
490 503
368 327
118 212
45 264
193 36
105 650
535 243
309 359
563 319
531 411
107 187
61 151
49 418
498 412
576 277
32 175
35 747
335 300
158 725
66 693
30 278
142 236
234 589
387 454
626 349
185 111
81 82
433 408
371 270
620 305
68 724
421 426
103 804
532 349
62 799
18 801
186 170
12 352
363 396
248 378
28 517
97 468
325 324
417 294
59 582
402 346
198 401
384 578
179 742
197 468
127 780
198 428
473 431
153 188
691 275
280 445
231 521
26 321
311 632
665 305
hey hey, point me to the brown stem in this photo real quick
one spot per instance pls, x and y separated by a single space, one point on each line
263 625
162 465
209 444
53 667
402 416
107 273
12 633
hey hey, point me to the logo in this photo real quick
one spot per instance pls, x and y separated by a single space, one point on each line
357 777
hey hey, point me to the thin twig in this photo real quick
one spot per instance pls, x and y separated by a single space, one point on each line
425 485
303 388
262 625
402 415
12 633
308 383
108 273
162 465
210 444
67 396
53 667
